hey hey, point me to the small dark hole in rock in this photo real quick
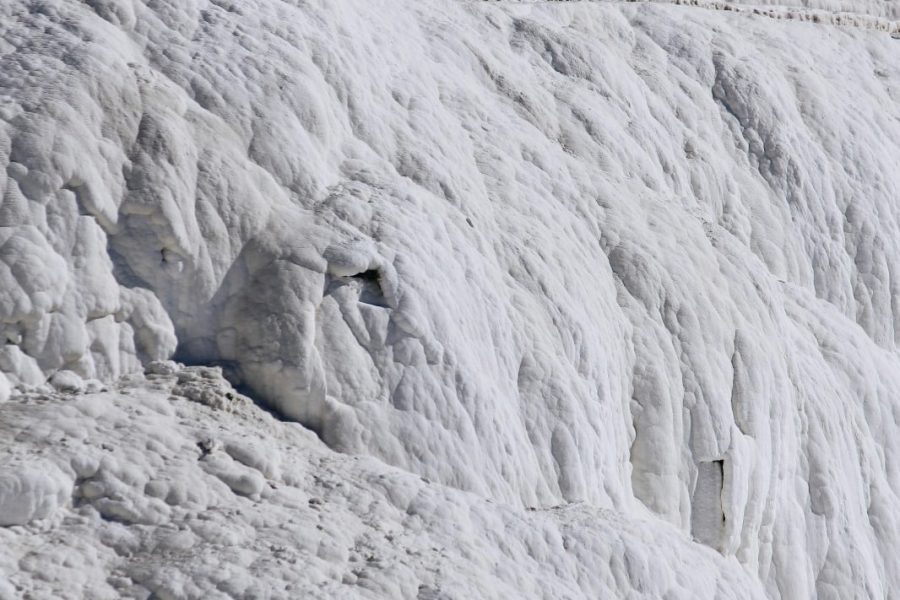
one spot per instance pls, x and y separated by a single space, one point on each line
370 291
370 275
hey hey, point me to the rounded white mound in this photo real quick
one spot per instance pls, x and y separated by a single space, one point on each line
31 491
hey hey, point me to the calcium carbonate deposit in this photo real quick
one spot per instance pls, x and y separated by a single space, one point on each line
449 299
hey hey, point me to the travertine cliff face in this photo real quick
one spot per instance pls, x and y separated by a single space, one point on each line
635 260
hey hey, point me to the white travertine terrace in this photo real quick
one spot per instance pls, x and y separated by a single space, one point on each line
605 293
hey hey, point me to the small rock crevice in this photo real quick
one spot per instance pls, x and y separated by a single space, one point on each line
707 516
367 282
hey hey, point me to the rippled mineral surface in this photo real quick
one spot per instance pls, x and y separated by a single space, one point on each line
449 299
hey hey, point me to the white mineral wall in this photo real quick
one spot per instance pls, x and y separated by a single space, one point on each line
639 256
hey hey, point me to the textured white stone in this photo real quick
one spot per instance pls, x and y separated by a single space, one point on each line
159 508
31 490
639 260
67 381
